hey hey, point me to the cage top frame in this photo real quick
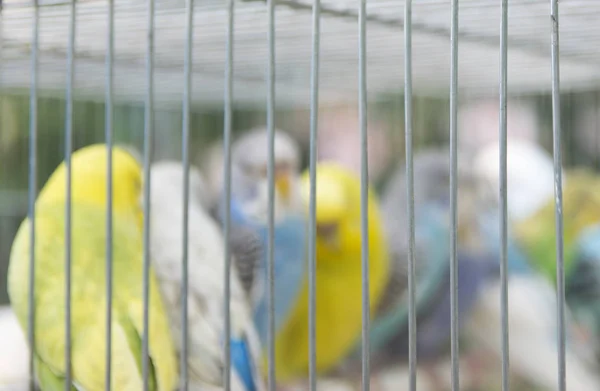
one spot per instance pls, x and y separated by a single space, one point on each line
529 67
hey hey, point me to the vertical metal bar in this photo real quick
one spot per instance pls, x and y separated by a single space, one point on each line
185 156
148 144
68 153
597 131
33 134
227 125
410 196
108 135
271 195
364 189
1 43
556 134
312 224
503 192
453 194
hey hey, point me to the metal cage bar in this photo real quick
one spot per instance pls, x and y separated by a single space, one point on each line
503 193
364 180
454 195
69 204
227 125
33 188
410 197
312 223
185 157
556 136
271 195
108 135
364 191
148 147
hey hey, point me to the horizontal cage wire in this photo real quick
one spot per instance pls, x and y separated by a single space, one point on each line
528 63
158 254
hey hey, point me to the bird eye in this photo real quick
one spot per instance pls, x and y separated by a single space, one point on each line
327 230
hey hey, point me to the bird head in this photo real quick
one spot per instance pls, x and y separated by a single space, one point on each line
530 175
332 203
250 182
89 179
432 169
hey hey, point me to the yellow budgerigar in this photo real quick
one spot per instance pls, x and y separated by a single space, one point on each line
338 275
88 316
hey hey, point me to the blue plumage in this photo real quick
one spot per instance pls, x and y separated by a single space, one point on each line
249 233
289 247
489 224
582 284
241 361
432 241
289 251
433 283
433 333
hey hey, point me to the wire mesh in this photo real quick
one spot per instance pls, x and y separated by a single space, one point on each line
335 88
503 194
364 184
560 263
270 76
185 146
410 196
312 223
68 192
108 131
227 125
454 330
148 148
32 191
527 66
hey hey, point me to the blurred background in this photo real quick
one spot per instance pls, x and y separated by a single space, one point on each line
529 117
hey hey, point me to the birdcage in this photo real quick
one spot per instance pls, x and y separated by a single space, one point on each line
169 76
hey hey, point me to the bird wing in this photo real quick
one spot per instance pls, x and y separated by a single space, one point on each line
247 250
88 303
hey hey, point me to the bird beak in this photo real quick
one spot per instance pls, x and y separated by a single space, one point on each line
283 185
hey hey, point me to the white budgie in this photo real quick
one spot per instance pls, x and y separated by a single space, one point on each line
14 375
206 284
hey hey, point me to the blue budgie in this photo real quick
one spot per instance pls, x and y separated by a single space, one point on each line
206 269
389 331
249 218
531 309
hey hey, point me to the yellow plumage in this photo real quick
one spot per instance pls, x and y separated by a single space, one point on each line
581 208
88 322
338 276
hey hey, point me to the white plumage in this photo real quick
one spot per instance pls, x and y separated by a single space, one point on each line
533 348
206 278
14 353
530 175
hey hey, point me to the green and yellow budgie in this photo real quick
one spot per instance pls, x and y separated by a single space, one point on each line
581 205
532 211
89 183
581 227
338 275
